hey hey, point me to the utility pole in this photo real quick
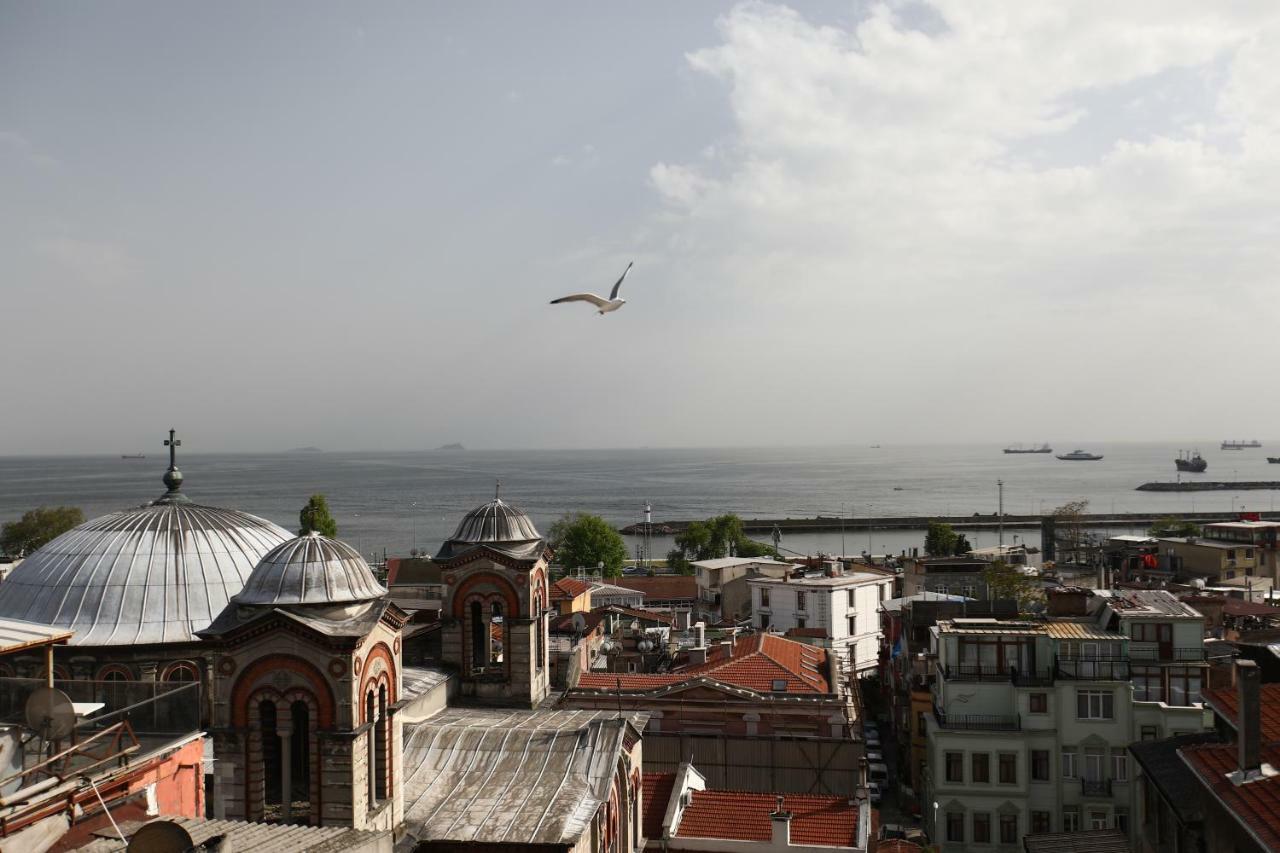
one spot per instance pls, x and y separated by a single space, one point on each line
1000 487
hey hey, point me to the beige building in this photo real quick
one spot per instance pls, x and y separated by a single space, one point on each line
712 575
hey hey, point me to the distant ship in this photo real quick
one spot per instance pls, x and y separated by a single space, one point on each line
133 456
1240 445
1274 460
1187 462
454 446
1079 456
1018 448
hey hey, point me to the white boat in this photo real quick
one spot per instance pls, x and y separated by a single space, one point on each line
1079 456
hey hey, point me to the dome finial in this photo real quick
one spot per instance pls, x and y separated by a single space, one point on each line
497 490
173 477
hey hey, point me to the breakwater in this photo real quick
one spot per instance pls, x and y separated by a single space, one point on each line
1210 486
827 524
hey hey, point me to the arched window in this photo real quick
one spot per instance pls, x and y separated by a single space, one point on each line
497 636
300 762
370 709
181 671
272 779
380 755
479 638
114 686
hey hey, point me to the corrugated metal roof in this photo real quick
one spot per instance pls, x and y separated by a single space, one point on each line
991 626
310 569
527 777
496 525
1080 631
154 574
16 635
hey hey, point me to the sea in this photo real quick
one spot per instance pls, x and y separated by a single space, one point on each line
395 502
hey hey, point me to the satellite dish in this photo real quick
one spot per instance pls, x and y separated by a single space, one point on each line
50 713
161 836
579 622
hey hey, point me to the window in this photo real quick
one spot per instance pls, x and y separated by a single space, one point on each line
853 626
1095 705
981 767
1147 686
1008 829
1008 768
1184 685
1150 733
955 826
1094 764
764 621
1097 820
981 827
1122 819
921 726
853 598
764 597
1041 822
800 621
1040 765
1071 819
800 596
1119 765
1069 763
182 671
1039 703
955 767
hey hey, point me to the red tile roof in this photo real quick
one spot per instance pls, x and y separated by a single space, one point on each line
1240 607
1226 702
756 663
744 816
662 587
567 589
1256 804
655 791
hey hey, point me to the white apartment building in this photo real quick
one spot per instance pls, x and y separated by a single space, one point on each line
1032 718
846 605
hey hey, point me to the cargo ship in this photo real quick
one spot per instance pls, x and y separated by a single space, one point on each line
1240 445
1188 462
1018 448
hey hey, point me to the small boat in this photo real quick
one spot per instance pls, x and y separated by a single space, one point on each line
1240 445
1274 460
133 456
1018 448
1188 462
1079 456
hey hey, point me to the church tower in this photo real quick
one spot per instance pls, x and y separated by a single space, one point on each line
306 663
494 613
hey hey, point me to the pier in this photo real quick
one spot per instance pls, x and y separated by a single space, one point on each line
992 521
1209 486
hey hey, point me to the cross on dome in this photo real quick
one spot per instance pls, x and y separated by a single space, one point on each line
173 477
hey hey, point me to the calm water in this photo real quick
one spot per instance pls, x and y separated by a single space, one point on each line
399 500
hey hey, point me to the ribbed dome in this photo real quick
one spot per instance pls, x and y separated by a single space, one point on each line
311 569
495 522
155 574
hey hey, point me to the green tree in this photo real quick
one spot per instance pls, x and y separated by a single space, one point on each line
316 516
1005 581
940 539
581 539
962 545
36 527
1173 526
694 542
1071 517
721 536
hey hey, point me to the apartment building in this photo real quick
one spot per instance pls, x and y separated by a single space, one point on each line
1032 717
846 604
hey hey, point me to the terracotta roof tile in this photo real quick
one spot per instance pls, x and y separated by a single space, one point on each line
662 587
567 589
1226 702
656 794
744 816
756 663
1256 805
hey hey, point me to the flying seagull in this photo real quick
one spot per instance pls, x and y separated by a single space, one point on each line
613 303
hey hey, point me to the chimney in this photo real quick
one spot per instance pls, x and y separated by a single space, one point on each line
781 821
701 628
1248 722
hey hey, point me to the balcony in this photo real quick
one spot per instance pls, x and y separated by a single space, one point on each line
1093 669
977 722
1151 652
991 674
1095 787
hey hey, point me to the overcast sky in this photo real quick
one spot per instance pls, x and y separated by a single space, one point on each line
332 224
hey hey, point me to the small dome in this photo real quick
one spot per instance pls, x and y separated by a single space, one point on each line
154 574
495 522
310 569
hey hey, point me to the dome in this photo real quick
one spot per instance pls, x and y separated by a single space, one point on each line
496 525
154 574
311 569
495 522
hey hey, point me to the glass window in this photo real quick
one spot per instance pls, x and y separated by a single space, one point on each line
764 597
853 625
1122 819
955 826
981 827
1095 705
1147 685
1008 829
1094 764
1039 703
1041 822
1071 819
1120 765
1184 685
981 766
1040 765
1097 820
1008 768
800 601
764 621
1069 762
955 767
800 622
853 598
1150 733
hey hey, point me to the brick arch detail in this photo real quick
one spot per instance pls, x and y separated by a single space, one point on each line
505 589
379 652
108 669
283 700
247 684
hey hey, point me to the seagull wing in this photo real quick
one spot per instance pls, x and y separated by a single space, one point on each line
597 301
614 294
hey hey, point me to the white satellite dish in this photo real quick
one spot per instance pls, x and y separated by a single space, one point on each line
579 623
161 836
50 713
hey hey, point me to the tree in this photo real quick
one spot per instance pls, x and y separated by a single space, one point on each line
721 536
962 545
315 516
1171 525
1005 581
940 540
36 527
1071 516
581 539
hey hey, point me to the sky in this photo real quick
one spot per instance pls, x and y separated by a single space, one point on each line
340 225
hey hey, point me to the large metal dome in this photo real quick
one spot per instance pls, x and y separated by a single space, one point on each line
155 574
311 569
497 525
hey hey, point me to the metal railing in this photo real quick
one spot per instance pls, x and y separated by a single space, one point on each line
978 722
993 675
1095 787
1154 653
1093 669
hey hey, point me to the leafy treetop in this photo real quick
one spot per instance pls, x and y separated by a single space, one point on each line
36 527
584 540
315 516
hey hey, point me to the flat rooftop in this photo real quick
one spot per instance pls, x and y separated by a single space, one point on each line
847 579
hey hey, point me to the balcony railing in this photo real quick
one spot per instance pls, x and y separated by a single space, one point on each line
1155 653
991 674
978 722
1095 787
1093 669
